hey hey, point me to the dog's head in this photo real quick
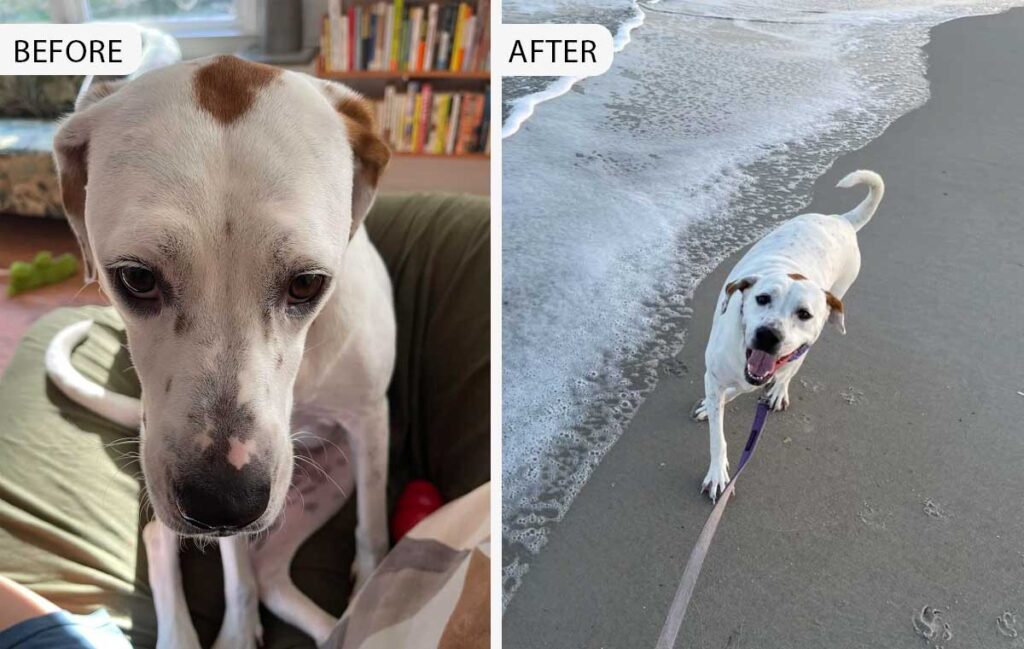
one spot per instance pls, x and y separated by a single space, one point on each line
780 314
214 201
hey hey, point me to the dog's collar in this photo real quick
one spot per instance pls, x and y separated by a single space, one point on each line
793 355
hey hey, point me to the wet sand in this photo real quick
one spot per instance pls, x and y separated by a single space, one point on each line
895 481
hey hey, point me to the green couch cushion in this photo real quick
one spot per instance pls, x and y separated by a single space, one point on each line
70 487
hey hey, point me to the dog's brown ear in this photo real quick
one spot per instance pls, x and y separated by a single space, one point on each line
71 153
836 312
739 285
371 153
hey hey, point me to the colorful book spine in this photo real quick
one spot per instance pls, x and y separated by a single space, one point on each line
427 103
431 37
353 37
472 115
408 119
439 123
397 16
484 134
453 123
468 43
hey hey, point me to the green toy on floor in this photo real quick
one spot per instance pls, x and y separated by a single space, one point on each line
42 271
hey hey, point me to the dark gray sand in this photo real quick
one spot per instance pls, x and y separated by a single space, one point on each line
896 480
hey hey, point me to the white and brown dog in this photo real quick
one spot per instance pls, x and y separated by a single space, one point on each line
774 306
218 203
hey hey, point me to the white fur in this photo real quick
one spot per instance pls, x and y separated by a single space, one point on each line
823 248
163 172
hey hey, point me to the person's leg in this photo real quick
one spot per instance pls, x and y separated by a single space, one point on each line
18 604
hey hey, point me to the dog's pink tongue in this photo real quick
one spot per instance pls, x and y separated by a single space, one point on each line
760 363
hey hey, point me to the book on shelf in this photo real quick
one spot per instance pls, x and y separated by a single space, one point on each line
393 36
422 120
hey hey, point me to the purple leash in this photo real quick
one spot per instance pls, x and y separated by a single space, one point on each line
688 582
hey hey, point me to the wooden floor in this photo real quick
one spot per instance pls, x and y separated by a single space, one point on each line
20 240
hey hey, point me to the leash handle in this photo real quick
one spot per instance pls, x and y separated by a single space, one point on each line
688 582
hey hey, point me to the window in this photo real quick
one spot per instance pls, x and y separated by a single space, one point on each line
178 17
161 9
25 11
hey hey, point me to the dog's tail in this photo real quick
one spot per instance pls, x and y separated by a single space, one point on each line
860 215
118 408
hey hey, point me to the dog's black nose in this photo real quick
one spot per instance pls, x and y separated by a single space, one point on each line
223 498
767 340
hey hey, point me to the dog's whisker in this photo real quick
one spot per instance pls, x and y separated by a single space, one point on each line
326 475
323 441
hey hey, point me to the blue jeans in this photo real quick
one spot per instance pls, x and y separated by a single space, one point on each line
64 630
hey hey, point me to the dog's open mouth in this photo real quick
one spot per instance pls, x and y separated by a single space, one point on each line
760 366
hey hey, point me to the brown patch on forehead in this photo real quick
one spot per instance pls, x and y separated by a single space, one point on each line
371 152
796 276
227 86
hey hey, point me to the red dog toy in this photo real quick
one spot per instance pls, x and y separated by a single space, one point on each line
419 499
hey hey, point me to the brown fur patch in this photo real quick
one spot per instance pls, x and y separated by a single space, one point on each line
370 150
73 178
797 276
227 86
738 285
833 302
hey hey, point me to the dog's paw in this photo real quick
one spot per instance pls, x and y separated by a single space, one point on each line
716 480
699 412
778 396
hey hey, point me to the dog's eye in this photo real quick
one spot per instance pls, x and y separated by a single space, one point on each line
803 314
764 299
139 282
305 288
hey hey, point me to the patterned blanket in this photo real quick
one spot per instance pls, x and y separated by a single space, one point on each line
432 590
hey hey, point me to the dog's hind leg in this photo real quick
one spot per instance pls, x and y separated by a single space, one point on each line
718 470
173 624
241 628
368 433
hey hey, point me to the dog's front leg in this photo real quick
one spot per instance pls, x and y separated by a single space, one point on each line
718 470
241 628
778 392
368 432
173 624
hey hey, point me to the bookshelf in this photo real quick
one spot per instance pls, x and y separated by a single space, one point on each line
405 75
425 66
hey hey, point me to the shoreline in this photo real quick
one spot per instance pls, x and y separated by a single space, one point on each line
626 538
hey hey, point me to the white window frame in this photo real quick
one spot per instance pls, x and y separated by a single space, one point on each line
244 24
